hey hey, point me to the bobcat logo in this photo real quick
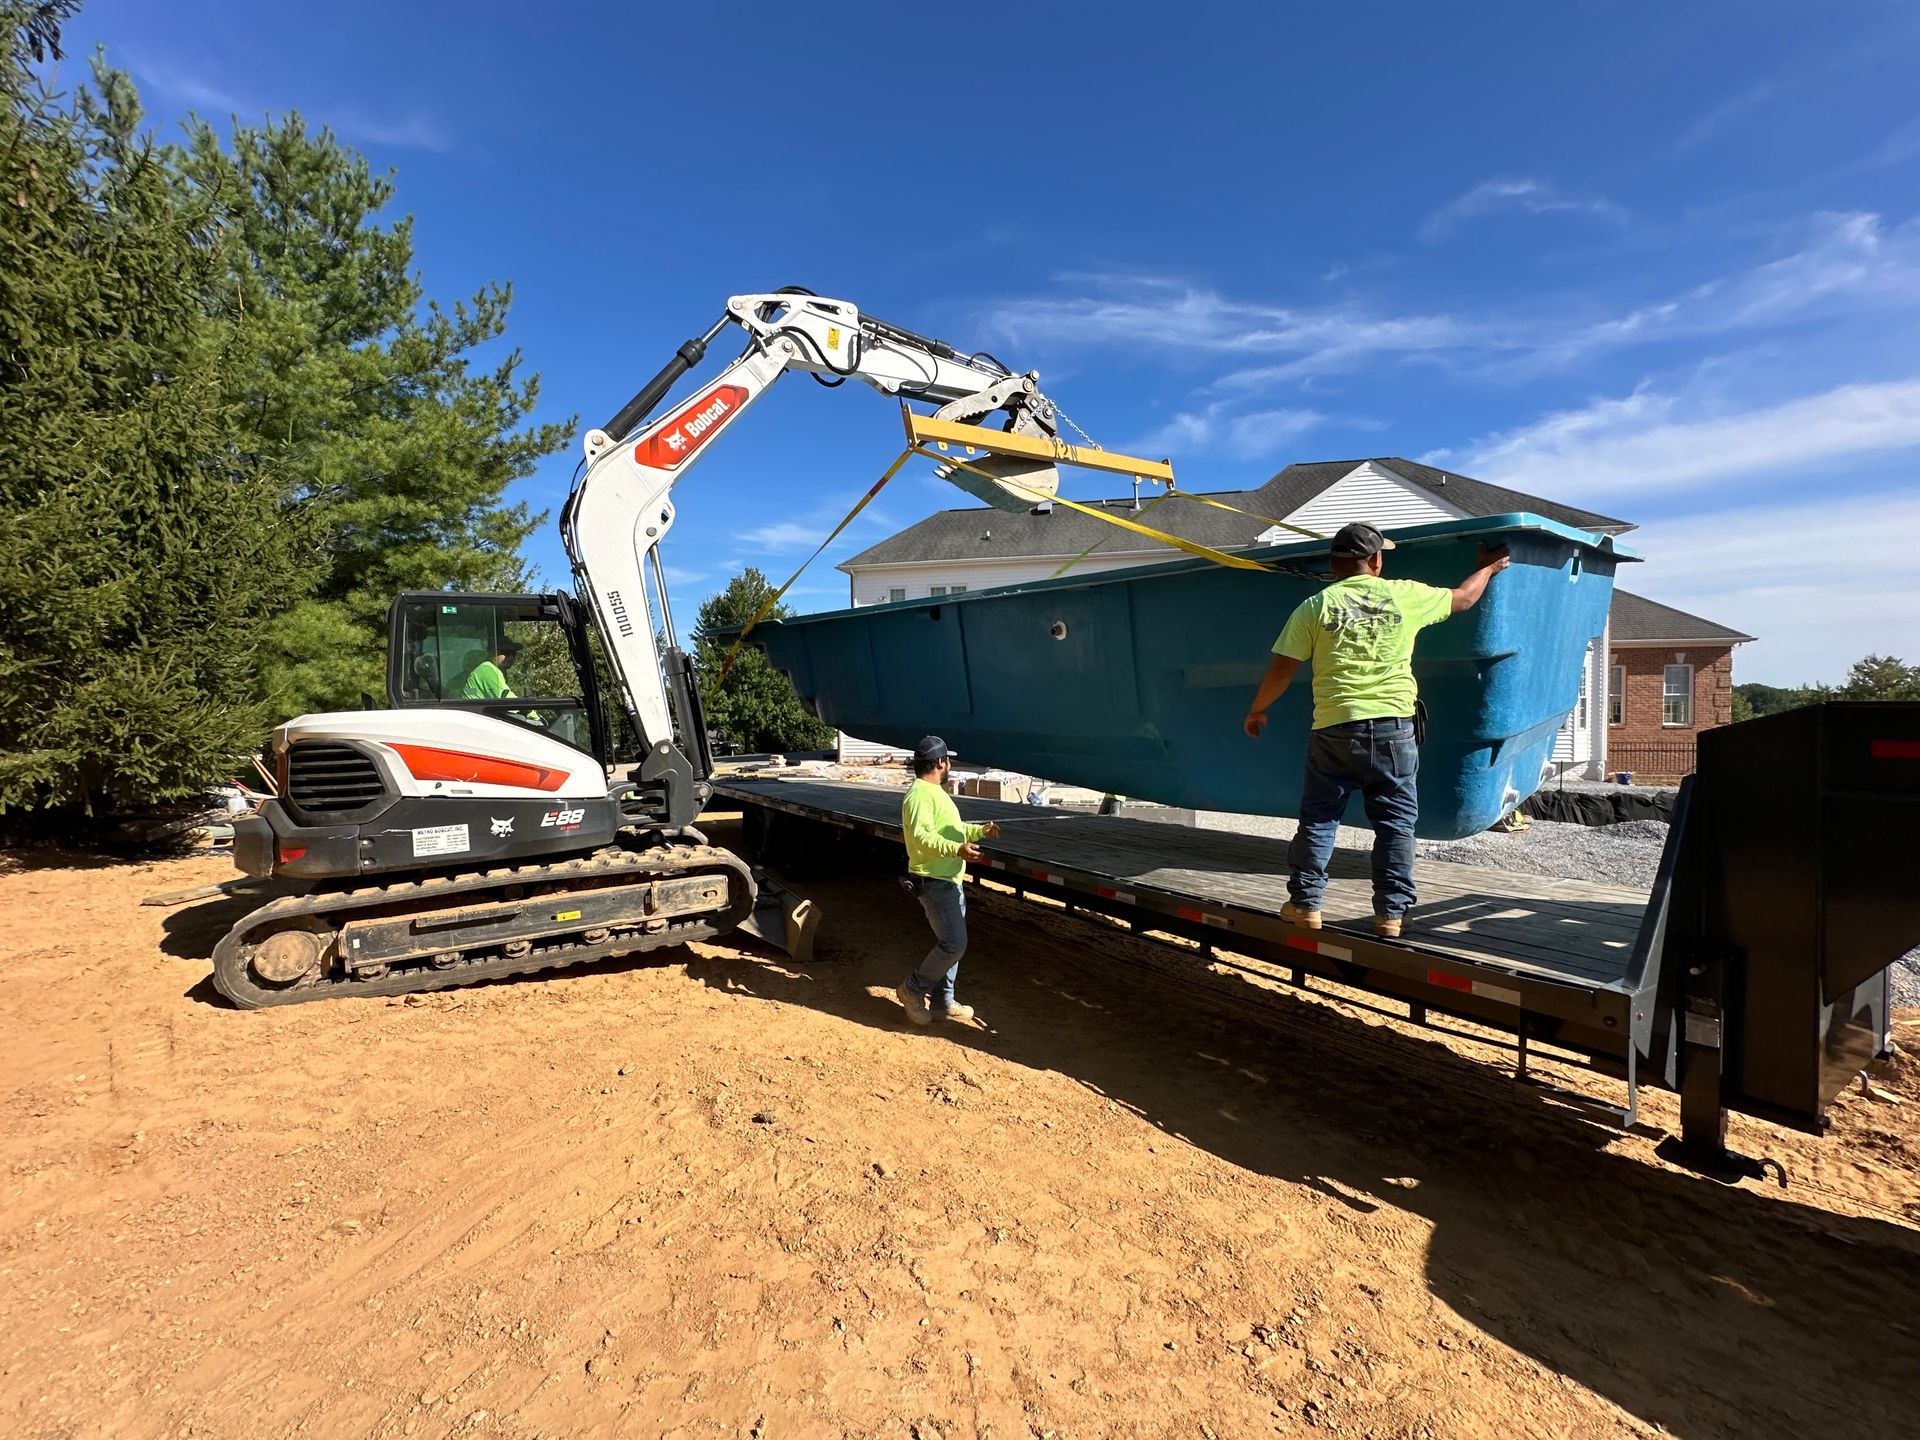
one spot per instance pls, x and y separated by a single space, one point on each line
502 828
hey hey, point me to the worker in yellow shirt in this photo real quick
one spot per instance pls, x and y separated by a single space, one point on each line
939 844
1357 635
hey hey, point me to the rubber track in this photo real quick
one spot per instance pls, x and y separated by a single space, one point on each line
233 978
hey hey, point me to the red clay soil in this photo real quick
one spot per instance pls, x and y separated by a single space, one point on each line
716 1194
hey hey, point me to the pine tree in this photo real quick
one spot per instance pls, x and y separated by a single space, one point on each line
140 561
367 403
755 705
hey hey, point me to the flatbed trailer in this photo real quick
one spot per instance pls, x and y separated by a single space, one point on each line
1751 977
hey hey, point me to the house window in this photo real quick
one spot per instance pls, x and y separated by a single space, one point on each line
938 590
1617 696
1676 695
957 590
1580 708
898 592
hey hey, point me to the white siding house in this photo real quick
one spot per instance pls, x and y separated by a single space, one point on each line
979 549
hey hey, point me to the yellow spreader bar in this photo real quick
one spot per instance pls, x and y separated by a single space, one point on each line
925 430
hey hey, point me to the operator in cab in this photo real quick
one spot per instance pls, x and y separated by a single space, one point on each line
939 845
488 679
1358 636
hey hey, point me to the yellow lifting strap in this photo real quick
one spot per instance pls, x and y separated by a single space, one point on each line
1070 456
1192 547
774 599
1174 493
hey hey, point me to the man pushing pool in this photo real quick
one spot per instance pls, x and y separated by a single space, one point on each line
1358 635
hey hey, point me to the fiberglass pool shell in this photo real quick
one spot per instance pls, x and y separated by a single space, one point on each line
1136 681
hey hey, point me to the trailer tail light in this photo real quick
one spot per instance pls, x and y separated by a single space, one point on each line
1895 749
425 762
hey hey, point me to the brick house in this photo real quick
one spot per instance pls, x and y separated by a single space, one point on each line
953 551
1669 676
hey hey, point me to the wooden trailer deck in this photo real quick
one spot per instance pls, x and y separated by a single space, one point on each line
1577 933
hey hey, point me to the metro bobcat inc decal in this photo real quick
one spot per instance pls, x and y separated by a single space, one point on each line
675 442
562 819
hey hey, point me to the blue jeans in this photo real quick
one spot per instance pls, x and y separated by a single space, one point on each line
945 902
1380 759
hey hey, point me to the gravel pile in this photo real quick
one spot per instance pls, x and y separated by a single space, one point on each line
1623 854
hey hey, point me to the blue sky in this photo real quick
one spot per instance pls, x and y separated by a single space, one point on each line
1659 261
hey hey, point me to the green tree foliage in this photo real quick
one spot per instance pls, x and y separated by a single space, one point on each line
1874 677
140 558
1882 677
755 705
367 403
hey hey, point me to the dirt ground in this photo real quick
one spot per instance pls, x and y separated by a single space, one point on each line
716 1194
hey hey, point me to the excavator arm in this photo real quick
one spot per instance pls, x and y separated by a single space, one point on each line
622 509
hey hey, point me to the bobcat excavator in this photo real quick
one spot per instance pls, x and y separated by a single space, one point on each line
462 835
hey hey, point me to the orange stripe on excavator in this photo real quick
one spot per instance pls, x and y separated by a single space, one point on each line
425 762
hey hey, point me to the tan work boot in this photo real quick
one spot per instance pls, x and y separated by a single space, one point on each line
1387 927
1299 915
955 1012
914 1003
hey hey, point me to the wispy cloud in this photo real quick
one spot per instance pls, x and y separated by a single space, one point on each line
1171 315
1838 263
783 535
1734 106
1254 435
1654 443
351 120
1531 197
1776 572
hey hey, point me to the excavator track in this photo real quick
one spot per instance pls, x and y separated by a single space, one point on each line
452 930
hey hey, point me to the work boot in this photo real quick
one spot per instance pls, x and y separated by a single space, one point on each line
914 1003
956 1012
1387 927
1300 915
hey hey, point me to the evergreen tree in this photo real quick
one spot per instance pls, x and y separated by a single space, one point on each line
140 558
1882 677
755 705
367 403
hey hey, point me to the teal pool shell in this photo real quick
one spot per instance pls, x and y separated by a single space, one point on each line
1136 681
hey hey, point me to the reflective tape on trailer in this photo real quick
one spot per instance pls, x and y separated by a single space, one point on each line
1320 947
1484 989
1203 917
1105 894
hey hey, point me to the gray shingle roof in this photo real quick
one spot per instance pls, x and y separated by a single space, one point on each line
1477 497
1636 618
982 534
978 533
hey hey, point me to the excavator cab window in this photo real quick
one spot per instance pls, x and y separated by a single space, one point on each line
512 656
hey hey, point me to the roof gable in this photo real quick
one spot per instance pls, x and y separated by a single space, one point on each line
1636 620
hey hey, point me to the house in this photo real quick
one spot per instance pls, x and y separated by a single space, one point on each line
1669 676
954 551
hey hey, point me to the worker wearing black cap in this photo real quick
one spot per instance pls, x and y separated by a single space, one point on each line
939 844
1358 636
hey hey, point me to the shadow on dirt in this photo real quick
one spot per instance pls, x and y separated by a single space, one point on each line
1707 1310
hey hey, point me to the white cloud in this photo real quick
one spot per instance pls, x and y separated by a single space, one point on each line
1648 442
1251 436
1534 197
350 120
1821 582
1711 123
1150 312
783 535
1838 265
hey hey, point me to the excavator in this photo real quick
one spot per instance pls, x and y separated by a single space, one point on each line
468 832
